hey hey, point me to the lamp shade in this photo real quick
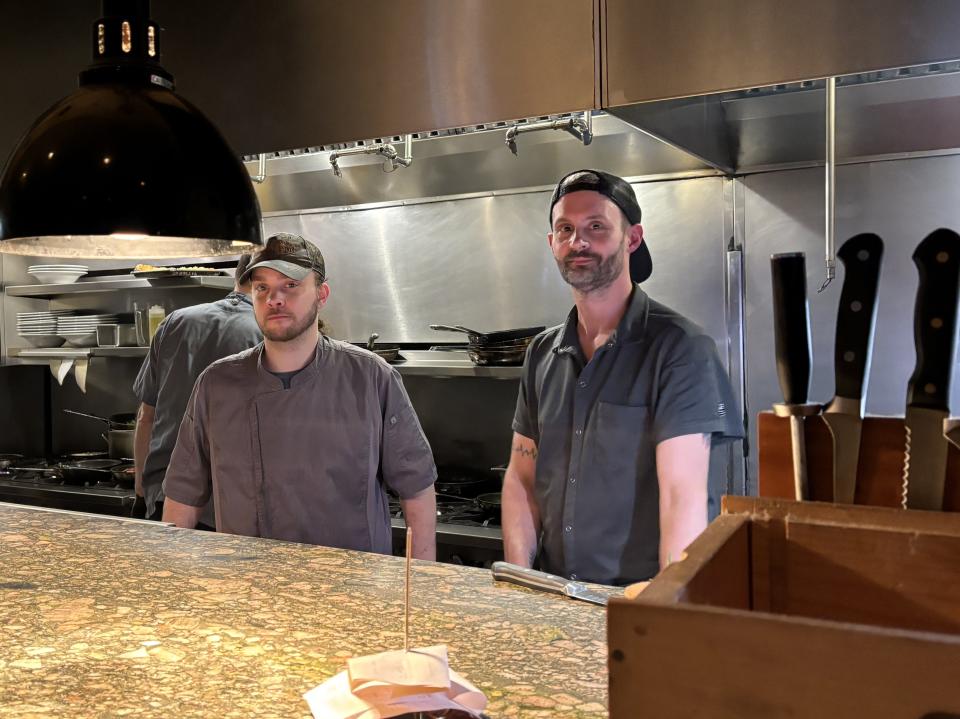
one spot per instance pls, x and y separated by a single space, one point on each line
126 168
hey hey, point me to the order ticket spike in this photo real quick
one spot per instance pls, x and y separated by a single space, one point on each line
406 593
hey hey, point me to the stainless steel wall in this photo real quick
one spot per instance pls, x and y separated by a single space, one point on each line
902 201
484 262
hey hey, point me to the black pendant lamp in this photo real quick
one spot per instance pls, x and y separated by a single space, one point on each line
124 167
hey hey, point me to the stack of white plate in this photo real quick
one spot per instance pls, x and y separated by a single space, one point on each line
40 328
57 274
81 330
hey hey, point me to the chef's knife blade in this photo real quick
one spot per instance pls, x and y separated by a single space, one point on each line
856 315
928 392
791 330
533 579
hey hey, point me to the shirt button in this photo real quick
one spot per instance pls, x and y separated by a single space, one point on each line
573 480
573 576
393 420
578 432
610 345
568 528
582 383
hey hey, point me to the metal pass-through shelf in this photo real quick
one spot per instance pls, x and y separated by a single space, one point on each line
62 353
432 363
119 283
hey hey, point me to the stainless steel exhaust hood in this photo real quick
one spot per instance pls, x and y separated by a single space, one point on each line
740 85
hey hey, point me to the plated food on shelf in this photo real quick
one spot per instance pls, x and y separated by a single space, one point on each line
150 271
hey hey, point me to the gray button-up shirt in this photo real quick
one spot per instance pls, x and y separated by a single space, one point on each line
597 425
188 341
304 464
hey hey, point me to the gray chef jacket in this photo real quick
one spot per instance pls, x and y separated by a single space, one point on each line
597 425
187 342
304 464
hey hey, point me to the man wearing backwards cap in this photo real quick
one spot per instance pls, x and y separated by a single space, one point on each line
297 437
618 408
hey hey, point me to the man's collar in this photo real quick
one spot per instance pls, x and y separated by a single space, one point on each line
631 328
309 370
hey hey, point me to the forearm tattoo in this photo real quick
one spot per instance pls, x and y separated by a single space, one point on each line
524 452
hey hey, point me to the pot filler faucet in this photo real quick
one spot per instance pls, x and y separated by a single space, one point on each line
392 160
580 127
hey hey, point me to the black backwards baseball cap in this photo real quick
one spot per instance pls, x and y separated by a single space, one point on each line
290 255
619 192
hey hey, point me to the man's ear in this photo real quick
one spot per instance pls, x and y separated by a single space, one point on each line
636 237
323 292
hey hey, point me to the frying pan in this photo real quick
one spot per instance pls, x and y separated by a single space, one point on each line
86 470
490 503
391 353
497 357
8 459
123 474
482 339
463 483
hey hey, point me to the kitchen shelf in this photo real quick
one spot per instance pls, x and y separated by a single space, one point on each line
422 363
62 353
119 283
449 364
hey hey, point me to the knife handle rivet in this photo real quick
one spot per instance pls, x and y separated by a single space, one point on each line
856 306
849 356
930 388
943 257
863 255
936 323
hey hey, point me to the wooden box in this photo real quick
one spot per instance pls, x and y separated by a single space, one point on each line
787 609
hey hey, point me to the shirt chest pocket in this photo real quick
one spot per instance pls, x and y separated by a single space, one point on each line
620 445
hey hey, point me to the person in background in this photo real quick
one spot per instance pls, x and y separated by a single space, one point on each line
298 438
618 407
186 343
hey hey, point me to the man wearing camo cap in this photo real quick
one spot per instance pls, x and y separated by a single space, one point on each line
619 408
299 437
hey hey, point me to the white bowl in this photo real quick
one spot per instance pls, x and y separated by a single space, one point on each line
57 268
64 277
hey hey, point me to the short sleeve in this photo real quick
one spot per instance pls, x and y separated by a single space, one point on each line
406 459
146 387
188 478
525 415
694 395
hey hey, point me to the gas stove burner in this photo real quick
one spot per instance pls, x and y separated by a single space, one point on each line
33 471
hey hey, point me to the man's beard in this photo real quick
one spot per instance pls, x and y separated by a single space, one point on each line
597 276
293 330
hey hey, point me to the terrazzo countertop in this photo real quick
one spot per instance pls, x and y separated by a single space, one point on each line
101 617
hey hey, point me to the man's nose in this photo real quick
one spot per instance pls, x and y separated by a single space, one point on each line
274 297
577 239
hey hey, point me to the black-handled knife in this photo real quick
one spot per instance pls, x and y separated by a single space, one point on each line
791 325
928 391
862 256
791 330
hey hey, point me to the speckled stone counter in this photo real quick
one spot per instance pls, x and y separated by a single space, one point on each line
100 617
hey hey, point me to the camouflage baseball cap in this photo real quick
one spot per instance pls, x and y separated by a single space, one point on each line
290 255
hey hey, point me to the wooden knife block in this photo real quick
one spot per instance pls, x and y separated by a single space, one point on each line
796 609
879 471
